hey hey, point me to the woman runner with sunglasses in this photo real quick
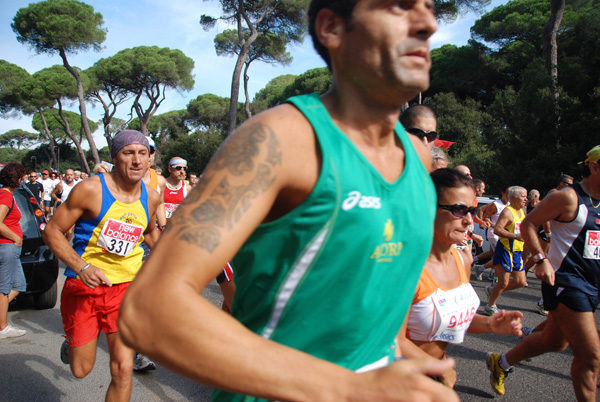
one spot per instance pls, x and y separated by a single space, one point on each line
445 304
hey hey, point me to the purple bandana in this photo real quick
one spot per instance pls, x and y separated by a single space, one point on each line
127 137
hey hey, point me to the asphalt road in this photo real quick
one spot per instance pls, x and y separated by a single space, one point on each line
32 371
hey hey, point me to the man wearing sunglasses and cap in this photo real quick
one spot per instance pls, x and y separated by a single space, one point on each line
571 281
112 213
176 187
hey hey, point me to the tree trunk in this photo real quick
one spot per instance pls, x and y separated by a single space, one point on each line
550 51
82 110
241 60
247 104
63 121
54 160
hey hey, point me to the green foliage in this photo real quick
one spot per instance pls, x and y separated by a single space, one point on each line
284 18
520 20
18 138
147 68
197 148
164 127
146 71
270 95
46 86
448 10
316 80
11 77
280 21
56 125
268 47
52 26
208 110
12 155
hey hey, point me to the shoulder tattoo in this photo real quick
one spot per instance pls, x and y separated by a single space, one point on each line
201 218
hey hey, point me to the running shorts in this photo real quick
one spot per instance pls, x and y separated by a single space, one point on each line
492 238
85 311
572 298
510 261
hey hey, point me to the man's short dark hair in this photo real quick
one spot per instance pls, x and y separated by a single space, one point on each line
477 183
409 116
564 177
343 8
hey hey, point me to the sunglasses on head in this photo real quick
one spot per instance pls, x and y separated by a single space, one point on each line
430 135
178 168
458 210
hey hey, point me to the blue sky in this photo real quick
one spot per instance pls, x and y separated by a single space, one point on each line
174 24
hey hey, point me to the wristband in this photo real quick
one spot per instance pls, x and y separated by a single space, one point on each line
515 236
86 266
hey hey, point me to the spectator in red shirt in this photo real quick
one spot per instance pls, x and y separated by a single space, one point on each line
12 279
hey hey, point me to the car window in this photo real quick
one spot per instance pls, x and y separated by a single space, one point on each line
28 223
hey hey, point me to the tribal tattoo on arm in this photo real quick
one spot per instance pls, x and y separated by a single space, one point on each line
202 223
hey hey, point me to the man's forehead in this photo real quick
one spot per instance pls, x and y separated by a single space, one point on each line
134 147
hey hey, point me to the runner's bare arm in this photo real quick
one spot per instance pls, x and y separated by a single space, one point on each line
504 220
561 205
262 171
503 322
161 216
490 210
56 191
409 350
83 202
151 234
422 151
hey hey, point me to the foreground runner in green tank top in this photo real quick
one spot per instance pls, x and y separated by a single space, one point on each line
326 208
318 279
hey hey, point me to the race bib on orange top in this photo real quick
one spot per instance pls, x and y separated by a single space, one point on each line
119 237
457 308
169 209
591 249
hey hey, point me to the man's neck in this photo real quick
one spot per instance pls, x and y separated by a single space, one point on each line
174 183
591 189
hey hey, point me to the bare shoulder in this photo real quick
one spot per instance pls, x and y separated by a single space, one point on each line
89 188
283 133
422 151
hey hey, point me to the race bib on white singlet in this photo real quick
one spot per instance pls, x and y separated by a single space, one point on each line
456 308
591 248
169 209
118 237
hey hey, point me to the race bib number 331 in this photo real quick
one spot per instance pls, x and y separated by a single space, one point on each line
118 237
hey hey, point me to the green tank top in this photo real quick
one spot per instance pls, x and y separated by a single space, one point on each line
336 276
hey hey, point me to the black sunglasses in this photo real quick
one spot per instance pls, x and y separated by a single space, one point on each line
431 135
458 210
178 168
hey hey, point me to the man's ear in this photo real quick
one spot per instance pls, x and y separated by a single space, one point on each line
329 28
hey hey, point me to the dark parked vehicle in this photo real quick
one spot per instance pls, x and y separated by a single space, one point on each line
40 265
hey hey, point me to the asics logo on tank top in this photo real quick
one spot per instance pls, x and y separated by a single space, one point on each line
355 198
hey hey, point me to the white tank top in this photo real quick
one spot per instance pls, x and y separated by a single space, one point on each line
66 190
500 205
439 314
